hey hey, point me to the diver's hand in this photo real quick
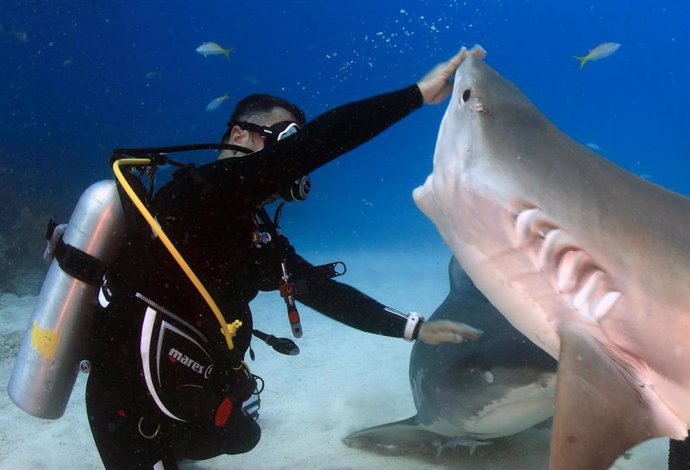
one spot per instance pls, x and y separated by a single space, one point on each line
438 84
446 331
49 252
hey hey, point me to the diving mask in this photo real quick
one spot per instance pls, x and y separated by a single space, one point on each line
270 134
299 189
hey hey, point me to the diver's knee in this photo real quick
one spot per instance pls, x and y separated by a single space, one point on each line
251 437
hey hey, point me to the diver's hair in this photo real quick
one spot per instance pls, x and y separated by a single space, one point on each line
261 103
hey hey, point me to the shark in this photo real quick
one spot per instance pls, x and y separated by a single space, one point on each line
468 394
588 260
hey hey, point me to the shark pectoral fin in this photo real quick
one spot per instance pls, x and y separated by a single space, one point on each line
397 438
603 405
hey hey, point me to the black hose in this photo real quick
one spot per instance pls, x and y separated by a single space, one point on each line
282 345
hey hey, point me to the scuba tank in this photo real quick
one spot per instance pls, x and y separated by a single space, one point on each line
58 334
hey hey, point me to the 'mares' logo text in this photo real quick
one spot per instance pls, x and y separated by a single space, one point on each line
177 356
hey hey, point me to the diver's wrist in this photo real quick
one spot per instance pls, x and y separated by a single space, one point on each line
412 326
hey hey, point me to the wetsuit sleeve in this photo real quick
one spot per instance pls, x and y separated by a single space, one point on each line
263 173
346 304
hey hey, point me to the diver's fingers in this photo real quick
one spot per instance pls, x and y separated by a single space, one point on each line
446 331
457 59
467 331
437 84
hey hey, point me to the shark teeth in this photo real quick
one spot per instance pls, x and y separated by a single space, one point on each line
530 225
548 247
606 303
568 268
583 297
523 225
594 300
573 274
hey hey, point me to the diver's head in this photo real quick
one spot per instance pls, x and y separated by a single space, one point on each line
258 120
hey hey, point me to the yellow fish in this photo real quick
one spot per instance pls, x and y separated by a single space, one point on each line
602 50
21 35
216 102
212 48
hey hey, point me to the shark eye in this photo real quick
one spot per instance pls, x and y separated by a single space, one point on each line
466 95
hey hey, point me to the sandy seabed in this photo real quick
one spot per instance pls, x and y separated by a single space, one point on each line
342 381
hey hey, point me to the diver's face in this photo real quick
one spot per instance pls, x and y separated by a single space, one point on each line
253 140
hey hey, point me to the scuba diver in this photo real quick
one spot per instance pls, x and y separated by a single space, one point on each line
165 382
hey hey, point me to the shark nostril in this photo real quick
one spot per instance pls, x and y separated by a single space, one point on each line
466 95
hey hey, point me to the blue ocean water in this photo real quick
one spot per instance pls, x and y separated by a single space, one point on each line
82 77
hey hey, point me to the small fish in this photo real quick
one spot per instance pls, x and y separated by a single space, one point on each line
216 102
251 79
21 35
593 146
212 48
153 75
602 50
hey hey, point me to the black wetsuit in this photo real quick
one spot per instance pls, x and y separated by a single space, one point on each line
163 385
679 454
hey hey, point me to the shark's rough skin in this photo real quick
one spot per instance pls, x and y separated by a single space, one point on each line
589 261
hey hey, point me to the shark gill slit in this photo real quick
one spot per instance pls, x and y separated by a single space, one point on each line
584 286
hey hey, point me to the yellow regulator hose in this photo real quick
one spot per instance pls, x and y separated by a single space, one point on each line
228 330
